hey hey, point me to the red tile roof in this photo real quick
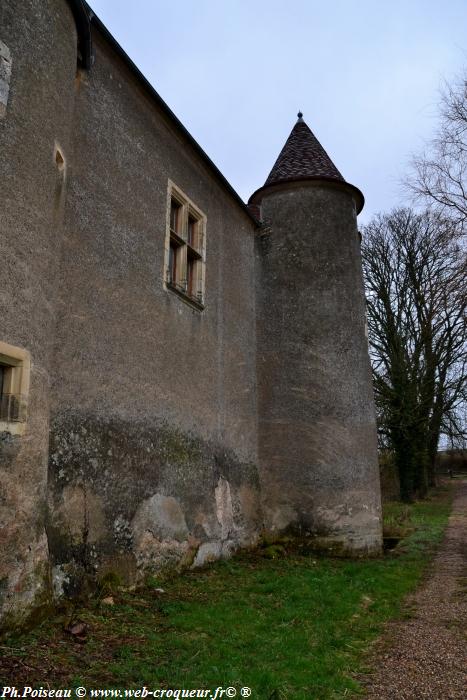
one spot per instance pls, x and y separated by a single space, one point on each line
302 157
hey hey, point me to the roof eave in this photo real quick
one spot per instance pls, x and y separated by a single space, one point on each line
83 14
357 195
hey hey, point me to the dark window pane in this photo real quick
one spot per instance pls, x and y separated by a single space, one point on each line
191 277
192 230
172 263
175 215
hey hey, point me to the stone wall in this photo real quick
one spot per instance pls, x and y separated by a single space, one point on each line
140 446
153 409
39 41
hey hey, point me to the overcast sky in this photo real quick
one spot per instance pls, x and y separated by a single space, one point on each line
365 73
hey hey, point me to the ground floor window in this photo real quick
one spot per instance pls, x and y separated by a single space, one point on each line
14 387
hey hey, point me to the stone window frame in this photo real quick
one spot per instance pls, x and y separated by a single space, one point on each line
185 249
16 366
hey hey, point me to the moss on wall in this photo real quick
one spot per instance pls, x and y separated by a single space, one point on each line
132 498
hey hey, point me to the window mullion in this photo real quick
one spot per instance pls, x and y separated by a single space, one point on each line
185 247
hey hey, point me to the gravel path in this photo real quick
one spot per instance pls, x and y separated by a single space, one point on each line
427 654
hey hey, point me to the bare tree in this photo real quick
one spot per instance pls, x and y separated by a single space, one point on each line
454 427
438 176
416 283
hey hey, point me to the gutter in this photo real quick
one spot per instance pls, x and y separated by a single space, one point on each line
82 15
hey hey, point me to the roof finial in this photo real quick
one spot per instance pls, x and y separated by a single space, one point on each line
300 116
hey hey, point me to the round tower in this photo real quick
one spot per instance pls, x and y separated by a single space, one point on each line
317 430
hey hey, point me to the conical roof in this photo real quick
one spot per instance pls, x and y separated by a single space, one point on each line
302 157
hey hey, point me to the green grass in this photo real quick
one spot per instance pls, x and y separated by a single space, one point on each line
293 626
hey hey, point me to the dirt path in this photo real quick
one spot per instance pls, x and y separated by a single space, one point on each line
427 654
